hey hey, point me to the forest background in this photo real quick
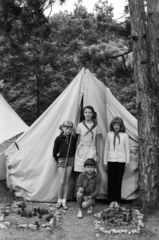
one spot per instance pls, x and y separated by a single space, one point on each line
40 56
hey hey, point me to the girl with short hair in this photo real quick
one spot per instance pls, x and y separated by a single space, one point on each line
64 153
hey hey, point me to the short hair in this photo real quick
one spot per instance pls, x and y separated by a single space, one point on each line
91 108
90 162
66 123
120 121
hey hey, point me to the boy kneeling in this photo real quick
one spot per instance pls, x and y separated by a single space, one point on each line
88 185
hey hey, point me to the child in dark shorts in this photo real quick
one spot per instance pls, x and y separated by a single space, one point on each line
64 153
88 185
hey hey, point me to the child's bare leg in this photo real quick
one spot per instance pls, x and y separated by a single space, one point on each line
79 202
80 197
88 203
66 180
60 192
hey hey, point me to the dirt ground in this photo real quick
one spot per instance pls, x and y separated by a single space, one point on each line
69 228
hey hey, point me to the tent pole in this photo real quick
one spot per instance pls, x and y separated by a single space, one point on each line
65 166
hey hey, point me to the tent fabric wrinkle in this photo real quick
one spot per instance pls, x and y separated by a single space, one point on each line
33 172
36 145
11 127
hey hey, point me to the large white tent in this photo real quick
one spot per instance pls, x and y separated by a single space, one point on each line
32 171
11 126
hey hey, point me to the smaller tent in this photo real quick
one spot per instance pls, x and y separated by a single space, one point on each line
11 127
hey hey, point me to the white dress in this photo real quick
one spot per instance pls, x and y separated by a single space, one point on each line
87 144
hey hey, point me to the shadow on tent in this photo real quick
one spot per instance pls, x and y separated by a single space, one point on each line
3 147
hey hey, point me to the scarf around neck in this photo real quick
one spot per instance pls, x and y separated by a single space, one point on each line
90 129
67 138
116 135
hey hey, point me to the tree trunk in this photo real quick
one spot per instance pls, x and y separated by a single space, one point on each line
145 36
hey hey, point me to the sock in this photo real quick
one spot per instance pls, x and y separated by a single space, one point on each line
59 201
63 201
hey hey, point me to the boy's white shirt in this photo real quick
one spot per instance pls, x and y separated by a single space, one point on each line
121 151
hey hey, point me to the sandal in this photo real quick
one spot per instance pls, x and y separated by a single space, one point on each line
65 207
90 210
80 214
58 205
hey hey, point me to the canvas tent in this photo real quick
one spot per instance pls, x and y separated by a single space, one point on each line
32 171
11 126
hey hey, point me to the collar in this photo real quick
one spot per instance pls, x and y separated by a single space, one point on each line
90 129
90 177
64 136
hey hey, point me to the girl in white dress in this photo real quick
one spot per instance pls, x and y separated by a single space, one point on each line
88 131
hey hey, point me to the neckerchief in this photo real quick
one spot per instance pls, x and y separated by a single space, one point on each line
88 182
116 135
67 138
89 129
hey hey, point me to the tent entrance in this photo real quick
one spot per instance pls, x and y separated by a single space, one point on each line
79 111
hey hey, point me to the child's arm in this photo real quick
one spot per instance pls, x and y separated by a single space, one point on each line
97 142
56 149
106 149
78 136
77 140
98 147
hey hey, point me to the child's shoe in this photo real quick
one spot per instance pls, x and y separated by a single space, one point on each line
80 214
90 210
65 207
58 205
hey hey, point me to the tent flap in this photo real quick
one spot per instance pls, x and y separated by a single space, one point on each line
11 127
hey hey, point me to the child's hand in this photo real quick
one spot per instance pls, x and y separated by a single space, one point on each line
97 157
80 190
126 166
97 160
85 198
106 166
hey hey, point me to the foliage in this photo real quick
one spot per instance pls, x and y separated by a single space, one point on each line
39 56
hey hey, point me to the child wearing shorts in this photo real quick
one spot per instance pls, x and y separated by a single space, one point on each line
64 153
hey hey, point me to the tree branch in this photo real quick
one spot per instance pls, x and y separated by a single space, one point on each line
121 54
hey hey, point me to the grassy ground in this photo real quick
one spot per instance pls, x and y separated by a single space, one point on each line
69 228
